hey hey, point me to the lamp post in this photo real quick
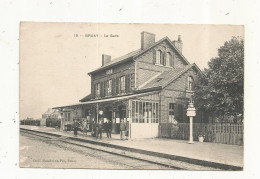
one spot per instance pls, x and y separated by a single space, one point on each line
100 113
191 112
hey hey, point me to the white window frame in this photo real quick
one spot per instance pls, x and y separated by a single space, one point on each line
168 58
97 90
122 84
190 83
109 87
171 113
143 113
159 57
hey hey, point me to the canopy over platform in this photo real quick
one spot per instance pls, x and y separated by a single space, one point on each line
119 98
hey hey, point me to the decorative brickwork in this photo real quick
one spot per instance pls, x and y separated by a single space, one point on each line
142 70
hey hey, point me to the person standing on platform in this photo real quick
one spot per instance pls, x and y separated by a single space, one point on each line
127 130
99 129
76 125
93 128
109 129
84 127
122 129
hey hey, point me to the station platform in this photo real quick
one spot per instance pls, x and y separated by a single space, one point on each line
208 153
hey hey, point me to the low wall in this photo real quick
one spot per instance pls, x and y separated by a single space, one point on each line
144 130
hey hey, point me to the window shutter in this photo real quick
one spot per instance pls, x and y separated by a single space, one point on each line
127 83
164 58
117 85
181 112
186 83
176 112
94 91
132 81
113 87
105 88
154 56
101 89
171 60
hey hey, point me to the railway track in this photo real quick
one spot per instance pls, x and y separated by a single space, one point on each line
131 160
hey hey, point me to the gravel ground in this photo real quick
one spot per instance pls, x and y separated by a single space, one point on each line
37 152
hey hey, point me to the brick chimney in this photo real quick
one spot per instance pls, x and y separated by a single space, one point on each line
105 59
178 43
147 39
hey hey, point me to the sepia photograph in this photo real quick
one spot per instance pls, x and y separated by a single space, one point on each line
131 96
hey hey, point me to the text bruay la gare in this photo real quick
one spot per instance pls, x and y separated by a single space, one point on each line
96 35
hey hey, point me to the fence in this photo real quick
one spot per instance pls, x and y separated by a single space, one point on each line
225 133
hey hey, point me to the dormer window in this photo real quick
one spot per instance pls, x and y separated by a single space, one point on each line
158 57
164 58
169 61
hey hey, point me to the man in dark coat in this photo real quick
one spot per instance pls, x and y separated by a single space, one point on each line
127 130
76 125
99 129
94 128
109 129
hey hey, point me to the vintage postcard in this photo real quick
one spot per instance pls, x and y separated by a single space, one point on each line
131 96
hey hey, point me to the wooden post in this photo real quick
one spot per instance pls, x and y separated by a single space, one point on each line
130 118
97 113
62 126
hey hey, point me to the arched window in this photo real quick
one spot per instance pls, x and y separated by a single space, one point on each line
168 59
158 56
190 83
163 59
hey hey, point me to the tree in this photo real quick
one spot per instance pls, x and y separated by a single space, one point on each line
220 90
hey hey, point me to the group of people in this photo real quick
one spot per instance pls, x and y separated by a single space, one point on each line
97 128
83 124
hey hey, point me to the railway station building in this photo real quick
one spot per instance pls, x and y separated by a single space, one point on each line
146 87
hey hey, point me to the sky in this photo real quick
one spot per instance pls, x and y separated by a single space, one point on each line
55 58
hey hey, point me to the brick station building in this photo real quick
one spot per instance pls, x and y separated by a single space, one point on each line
146 87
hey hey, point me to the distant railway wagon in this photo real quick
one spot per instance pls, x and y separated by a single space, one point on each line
31 122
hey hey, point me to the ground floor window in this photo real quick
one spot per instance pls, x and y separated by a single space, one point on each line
145 112
171 113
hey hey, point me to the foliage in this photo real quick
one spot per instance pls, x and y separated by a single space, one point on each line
221 89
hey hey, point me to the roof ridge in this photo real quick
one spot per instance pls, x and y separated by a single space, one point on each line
118 59
139 52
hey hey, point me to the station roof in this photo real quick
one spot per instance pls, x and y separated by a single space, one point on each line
167 77
86 98
117 98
